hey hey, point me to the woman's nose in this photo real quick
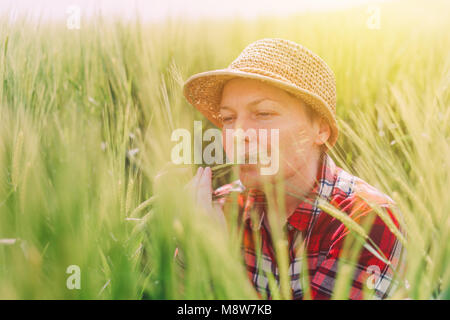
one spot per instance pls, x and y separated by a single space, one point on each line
243 123
249 130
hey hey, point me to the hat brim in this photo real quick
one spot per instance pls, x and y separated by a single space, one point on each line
204 92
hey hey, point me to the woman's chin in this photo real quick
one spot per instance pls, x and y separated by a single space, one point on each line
250 176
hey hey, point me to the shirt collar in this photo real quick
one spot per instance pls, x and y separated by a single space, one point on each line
301 217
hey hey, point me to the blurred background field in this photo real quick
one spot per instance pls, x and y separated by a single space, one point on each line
86 120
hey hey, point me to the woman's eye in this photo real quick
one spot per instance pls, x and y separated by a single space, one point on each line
264 114
227 119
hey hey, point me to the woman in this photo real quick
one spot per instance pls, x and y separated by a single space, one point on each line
276 84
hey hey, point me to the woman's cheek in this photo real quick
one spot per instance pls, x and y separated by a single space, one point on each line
291 149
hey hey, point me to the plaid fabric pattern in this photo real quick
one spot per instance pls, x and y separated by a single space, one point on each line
322 236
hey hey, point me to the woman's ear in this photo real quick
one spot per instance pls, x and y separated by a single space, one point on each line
324 131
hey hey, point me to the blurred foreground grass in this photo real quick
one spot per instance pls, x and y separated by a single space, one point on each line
86 119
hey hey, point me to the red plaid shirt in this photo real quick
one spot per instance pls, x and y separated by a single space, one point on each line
321 234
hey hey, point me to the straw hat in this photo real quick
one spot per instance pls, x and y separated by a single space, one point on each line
279 62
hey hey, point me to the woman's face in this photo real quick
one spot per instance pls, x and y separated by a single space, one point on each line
251 104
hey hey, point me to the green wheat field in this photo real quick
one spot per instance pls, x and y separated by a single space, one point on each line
85 142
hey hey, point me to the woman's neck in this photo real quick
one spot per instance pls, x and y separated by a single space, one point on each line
299 185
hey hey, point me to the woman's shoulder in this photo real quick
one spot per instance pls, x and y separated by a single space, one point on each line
349 186
355 196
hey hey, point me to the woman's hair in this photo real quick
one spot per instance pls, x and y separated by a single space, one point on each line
312 115
310 112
